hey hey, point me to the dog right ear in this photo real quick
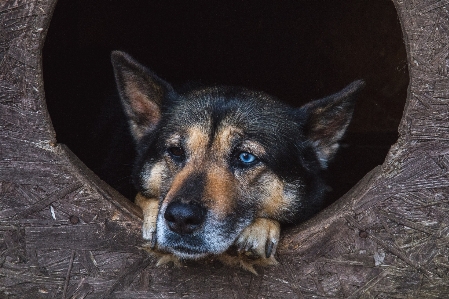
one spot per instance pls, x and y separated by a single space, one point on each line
141 93
325 120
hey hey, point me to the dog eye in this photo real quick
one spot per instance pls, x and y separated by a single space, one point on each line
176 152
247 158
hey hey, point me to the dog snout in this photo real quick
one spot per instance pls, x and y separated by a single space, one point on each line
184 218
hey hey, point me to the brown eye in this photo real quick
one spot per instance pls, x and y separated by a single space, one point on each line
176 151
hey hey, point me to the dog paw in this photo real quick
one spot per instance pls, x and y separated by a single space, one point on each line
150 208
162 257
260 238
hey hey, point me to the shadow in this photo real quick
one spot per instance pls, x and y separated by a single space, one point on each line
295 50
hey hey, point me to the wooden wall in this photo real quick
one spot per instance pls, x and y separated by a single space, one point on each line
65 234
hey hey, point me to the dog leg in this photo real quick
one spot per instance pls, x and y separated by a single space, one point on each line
150 208
260 238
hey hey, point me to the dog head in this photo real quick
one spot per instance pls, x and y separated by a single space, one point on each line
218 157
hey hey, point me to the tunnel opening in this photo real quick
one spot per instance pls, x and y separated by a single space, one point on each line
296 51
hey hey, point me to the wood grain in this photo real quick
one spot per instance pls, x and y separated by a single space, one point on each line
66 234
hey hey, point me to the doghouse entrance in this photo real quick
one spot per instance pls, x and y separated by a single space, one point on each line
296 51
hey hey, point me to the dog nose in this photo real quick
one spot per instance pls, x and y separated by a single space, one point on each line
184 218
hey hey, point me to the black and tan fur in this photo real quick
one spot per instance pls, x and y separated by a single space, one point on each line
199 195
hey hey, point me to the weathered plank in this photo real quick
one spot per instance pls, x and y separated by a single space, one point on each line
65 234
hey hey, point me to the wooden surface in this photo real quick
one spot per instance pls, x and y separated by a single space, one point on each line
65 234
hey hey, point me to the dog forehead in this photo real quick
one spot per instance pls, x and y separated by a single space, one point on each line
215 113
197 141
219 102
236 107
202 139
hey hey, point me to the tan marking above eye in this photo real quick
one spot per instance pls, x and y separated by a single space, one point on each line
197 141
253 147
224 139
173 140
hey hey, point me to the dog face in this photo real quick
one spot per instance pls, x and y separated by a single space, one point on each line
218 158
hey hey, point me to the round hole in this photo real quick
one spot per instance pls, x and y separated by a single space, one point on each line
295 51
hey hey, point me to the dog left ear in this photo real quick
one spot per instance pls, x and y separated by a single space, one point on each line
141 91
325 120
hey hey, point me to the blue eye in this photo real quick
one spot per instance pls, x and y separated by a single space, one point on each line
247 158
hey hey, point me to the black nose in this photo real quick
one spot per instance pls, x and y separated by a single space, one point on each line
184 218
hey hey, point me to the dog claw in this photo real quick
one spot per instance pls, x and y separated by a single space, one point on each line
260 238
153 240
269 248
248 246
241 247
167 258
149 235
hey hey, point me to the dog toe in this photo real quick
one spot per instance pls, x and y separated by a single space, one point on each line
260 238
150 209
149 233
168 258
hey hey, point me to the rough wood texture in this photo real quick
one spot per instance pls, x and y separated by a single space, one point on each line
65 234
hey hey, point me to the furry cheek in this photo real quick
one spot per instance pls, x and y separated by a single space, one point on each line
276 199
152 178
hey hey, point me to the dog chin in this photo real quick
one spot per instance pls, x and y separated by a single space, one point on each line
210 240
187 254
192 247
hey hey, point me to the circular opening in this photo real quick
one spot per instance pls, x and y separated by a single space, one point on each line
296 51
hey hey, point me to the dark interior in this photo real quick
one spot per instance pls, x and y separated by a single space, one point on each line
294 50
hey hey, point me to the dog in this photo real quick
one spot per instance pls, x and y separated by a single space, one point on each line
223 167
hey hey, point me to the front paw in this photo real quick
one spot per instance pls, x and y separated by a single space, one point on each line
260 238
150 208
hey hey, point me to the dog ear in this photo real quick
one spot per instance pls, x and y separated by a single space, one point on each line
141 92
325 120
